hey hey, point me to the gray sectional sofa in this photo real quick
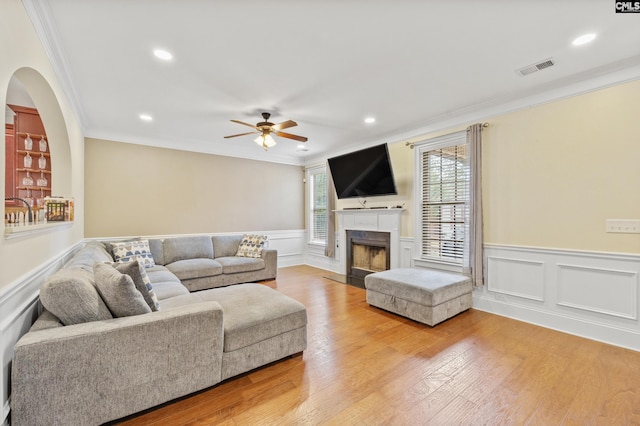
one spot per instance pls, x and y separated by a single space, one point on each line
80 365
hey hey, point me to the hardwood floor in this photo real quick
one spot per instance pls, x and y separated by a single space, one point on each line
365 366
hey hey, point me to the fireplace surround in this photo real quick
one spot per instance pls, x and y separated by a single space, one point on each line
372 219
367 252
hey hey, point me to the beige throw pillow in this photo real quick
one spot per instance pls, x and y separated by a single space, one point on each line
251 246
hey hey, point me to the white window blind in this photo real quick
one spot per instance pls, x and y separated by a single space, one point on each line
318 208
445 194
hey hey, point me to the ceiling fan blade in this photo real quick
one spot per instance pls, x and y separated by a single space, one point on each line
290 136
245 124
241 134
284 125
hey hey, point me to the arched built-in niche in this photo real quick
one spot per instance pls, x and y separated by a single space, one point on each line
51 115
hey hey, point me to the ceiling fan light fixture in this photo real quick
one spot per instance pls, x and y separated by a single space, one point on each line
265 140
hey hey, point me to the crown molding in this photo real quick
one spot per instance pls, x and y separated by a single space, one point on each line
613 74
43 23
210 147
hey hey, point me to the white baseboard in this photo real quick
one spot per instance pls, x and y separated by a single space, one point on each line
589 294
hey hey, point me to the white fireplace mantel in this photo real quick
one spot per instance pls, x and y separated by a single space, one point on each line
382 220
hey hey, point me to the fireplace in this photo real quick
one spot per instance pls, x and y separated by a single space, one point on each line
367 252
376 228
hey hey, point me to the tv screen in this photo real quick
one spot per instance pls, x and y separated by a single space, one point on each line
364 173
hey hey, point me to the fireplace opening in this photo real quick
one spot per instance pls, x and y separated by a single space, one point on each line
367 252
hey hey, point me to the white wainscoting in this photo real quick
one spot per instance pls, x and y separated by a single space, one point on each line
589 294
19 308
290 246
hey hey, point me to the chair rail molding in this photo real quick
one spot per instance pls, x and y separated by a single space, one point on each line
588 294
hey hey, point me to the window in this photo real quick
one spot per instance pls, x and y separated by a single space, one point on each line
443 198
318 205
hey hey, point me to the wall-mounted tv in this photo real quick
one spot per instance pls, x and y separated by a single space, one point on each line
364 173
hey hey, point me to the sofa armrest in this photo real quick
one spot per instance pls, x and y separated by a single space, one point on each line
270 257
99 371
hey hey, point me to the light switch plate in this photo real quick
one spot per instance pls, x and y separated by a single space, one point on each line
624 226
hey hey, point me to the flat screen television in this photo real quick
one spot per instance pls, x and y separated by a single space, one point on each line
363 173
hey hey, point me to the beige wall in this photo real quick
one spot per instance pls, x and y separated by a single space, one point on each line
22 55
553 173
141 190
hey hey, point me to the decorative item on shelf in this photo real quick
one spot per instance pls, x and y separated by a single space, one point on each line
42 161
42 181
28 161
43 144
28 143
27 180
14 217
58 209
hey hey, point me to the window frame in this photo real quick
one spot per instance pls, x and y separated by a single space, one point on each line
452 139
311 207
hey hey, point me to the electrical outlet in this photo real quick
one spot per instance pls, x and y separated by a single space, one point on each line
624 226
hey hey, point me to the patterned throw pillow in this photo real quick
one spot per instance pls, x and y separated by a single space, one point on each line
133 250
141 280
251 246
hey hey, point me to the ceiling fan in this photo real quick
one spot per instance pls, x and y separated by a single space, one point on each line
266 129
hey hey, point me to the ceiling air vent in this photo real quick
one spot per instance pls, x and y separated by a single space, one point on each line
530 69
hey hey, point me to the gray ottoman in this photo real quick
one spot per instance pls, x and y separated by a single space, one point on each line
424 295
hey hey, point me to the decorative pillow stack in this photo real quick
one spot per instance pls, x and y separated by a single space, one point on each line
133 250
251 246
119 292
125 288
141 280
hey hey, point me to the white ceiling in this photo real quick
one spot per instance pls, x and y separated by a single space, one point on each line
415 65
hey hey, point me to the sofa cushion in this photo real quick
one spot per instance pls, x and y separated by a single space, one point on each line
255 312
235 264
119 292
92 252
251 246
182 248
127 251
157 251
226 245
141 280
195 268
45 321
70 295
158 273
168 289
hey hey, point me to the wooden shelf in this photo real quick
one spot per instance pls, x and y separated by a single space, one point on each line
35 153
34 188
32 136
34 170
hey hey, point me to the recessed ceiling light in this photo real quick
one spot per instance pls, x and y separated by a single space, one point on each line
162 54
145 117
370 120
302 147
584 39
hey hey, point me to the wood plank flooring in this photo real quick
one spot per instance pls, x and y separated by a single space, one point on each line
365 366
